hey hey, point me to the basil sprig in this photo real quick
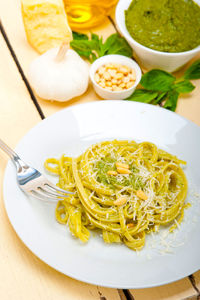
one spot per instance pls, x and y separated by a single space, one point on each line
94 47
163 88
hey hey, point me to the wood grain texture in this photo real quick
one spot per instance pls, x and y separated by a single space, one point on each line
16 107
173 291
196 283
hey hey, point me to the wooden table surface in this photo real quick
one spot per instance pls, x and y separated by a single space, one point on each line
22 275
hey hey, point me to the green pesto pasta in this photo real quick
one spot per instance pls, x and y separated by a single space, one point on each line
122 188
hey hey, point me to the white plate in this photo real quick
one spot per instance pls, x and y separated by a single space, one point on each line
71 131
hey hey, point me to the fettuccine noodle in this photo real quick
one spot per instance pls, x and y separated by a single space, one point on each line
122 188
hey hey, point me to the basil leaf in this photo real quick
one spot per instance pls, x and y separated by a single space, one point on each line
81 45
98 44
85 48
83 53
193 72
184 86
109 43
157 80
118 46
93 57
140 95
79 36
159 98
95 37
171 101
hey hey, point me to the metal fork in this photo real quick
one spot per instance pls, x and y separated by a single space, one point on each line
31 181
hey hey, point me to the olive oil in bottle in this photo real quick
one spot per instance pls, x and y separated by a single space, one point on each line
84 14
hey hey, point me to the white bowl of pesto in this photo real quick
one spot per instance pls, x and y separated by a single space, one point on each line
151 58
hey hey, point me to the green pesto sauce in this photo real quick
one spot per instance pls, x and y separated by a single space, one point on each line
113 182
164 25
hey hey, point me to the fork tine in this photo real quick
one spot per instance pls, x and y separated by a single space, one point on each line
42 198
55 187
52 193
45 196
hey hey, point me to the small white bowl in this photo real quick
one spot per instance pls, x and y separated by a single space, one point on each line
118 59
152 58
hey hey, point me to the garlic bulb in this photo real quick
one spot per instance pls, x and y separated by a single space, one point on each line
59 74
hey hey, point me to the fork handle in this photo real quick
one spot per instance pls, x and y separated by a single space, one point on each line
19 164
8 150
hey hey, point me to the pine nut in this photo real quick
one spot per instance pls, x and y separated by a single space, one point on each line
108 83
111 66
123 170
126 79
121 165
129 84
122 85
112 72
101 70
124 70
109 88
119 76
120 201
102 84
141 195
114 173
130 225
114 81
107 76
132 76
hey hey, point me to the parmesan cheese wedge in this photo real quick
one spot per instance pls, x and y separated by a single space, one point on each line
45 23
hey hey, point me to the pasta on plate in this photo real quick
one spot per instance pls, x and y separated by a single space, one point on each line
123 189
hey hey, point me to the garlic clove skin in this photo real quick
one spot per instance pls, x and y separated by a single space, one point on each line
60 81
